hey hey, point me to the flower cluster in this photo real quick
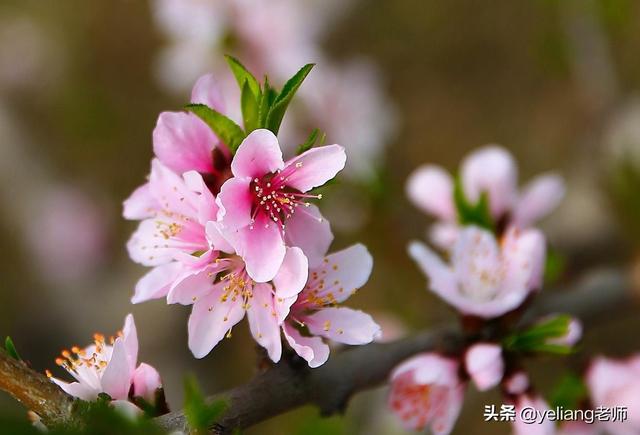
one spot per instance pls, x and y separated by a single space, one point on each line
232 231
495 261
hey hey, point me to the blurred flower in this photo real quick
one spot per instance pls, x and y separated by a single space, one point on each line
484 363
426 391
516 383
573 335
487 277
110 368
264 206
615 383
536 404
337 277
71 241
492 171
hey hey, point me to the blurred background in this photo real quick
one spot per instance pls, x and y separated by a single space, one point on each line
398 83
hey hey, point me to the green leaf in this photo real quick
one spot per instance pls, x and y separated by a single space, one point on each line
243 76
267 99
277 111
537 337
554 267
200 414
250 108
569 392
11 349
311 141
472 214
227 130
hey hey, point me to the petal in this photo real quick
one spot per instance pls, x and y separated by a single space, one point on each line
429 368
442 280
258 154
192 285
211 319
216 239
310 231
341 274
444 235
283 306
130 338
524 255
492 170
127 409
156 283
314 167
207 91
292 275
183 142
116 379
141 204
485 365
263 321
430 188
539 198
235 203
312 349
343 325
171 191
262 249
77 389
146 381
207 207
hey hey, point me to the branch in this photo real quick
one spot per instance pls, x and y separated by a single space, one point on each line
34 390
291 384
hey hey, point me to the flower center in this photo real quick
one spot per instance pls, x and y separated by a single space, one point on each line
94 357
275 200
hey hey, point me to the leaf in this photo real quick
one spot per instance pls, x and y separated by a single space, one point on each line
266 101
536 337
310 142
277 111
200 414
250 109
227 130
11 349
569 392
243 76
472 214
554 267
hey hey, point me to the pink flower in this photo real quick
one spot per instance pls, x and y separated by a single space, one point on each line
174 211
517 383
183 142
489 170
330 283
426 391
109 368
223 291
617 383
484 363
486 278
264 207
537 427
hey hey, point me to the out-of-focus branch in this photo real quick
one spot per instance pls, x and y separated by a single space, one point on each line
290 385
34 390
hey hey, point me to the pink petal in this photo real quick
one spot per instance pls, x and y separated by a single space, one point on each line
310 231
477 262
146 381
312 349
77 389
341 274
517 383
216 239
292 275
116 379
524 253
442 280
262 249
428 368
155 284
153 244
127 409
207 207
235 203
315 167
283 306
130 338
207 91
540 197
444 235
263 321
171 191
183 142
430 188
343 325
141 204
492 170
211 319
191 286
485 365
259 154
